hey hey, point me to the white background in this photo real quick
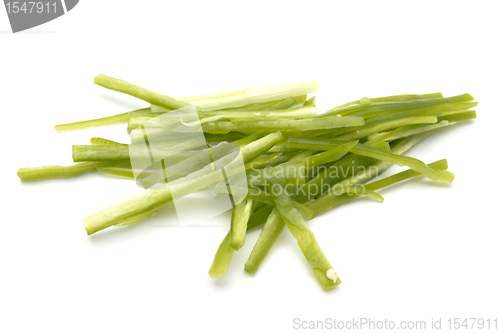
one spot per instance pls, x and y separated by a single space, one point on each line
428 251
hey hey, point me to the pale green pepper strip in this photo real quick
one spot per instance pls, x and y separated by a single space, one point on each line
139 92
387 125
254 149
246 97
106 142
155 121
137 205
268 236
283 125
57 171
83 153
255 95
404 131
222 259
331 200
248 107
225 253
117 171
306 241
301 112
311 101
287 103
239 219
394 98
136 218
116 119
153 199
444 177
246 140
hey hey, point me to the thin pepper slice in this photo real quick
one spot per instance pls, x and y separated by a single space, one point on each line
239 219
323 270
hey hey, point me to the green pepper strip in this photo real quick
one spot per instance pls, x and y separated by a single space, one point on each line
116 171
331 200
116 119
330 155
139 92
106 142
224 253
436 110
154 199
268 236
239 219
375 118
387 125
392 106
444 177
272 105
57 171
306 241
404 131
459 116
287 103
283 125
274 224
394 98
136 218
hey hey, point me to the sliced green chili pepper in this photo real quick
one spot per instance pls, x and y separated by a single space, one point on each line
239 219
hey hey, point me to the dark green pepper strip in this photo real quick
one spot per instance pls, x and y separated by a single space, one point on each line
444 177
387 125
393 106
436 110
330 200
273 226
405 131
331 155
